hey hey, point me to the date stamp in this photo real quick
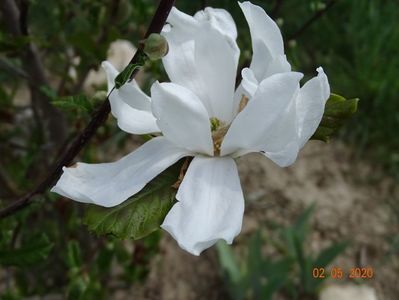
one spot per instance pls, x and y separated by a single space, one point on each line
339 273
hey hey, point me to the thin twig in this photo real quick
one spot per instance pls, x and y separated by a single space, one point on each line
52 122
313 19
112 18
97 120
276 9
11 68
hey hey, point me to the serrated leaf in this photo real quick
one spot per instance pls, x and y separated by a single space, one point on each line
33 251
79 102
141 214
337 111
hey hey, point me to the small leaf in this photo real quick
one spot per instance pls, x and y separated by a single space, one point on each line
337 111
74 255
141 214
79 102
33 251
301 225
126 74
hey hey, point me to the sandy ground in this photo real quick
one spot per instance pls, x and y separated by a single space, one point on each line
351 199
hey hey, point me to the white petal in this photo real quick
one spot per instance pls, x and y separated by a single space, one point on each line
182 23
286 156
249 82
111 73
217 66
310 105
267 42
182 117
280 142
210 207
270 102
204 60
278 64
109 184
129 105
220 19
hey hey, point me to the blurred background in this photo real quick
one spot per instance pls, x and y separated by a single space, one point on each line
335 210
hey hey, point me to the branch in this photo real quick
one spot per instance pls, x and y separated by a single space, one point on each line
16 22
276 9
12 69
313 19
97 120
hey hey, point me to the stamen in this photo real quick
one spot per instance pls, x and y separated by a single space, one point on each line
219 130
215 123
243 103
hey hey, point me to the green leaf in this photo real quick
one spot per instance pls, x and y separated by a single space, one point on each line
141 214
228 261
301 225
337 111
326 256
126 74
79 102
74 255
31 252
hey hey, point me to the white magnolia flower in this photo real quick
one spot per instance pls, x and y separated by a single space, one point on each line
200 114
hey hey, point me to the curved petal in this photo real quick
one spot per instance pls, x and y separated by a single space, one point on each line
111 72
280 142
207 71
210 207
182 117
249 82
129 105
109 184
220 19
310 105
269 103
267 42
217 66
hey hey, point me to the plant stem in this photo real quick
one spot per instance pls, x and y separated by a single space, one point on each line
99 117
313 19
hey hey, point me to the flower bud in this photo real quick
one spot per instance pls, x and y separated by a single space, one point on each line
155 46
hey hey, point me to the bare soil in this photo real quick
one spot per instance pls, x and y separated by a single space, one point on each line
352 204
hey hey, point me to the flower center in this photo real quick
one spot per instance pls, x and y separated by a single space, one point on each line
219 130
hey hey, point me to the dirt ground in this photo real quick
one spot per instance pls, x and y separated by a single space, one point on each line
352 204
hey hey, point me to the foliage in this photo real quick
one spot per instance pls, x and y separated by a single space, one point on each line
33 251
259 276
141 214
337 111
356 42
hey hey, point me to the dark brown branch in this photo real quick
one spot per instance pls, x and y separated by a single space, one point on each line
313 19
53 125
97 120
276 9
